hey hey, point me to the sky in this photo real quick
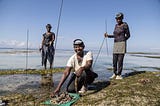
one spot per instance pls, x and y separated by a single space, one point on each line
84 19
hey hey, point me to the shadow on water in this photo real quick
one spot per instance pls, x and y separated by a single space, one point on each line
133 73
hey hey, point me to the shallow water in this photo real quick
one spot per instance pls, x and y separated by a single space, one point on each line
12 60
17 59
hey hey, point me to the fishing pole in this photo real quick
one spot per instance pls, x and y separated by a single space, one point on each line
60 13
99 52
106 37
27 50
102 45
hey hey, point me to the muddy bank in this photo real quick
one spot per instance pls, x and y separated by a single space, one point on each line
137 88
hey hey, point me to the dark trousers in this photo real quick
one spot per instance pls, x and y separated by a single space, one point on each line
47 53
76 83
118 60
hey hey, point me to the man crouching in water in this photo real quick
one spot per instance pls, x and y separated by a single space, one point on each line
81 64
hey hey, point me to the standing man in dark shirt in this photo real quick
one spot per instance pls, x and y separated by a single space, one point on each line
121 34
47 47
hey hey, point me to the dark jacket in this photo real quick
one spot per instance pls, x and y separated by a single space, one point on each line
121 33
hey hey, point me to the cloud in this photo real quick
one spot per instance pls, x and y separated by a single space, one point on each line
155 49
13 44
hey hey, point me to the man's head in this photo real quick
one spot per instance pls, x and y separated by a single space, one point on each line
119 17
48 27
78 42
78 46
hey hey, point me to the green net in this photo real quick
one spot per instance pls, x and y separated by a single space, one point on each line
75 98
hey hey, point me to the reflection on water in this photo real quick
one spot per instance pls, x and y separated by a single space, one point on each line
47 80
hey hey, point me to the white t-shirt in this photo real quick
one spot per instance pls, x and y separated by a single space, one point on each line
73 62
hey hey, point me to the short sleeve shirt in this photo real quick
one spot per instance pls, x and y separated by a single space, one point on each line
73 62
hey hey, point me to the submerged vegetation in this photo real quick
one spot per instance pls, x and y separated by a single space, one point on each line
30 71
144 54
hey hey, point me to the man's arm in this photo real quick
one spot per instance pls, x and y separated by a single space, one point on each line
85 67
63 79
88 65
42 43
127 36
109 36
53 38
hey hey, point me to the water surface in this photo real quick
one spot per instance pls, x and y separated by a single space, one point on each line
16 59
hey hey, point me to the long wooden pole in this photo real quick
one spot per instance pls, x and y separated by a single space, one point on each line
27 50
106 38
99 52
59 19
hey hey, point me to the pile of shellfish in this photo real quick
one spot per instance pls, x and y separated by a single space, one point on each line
61 98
